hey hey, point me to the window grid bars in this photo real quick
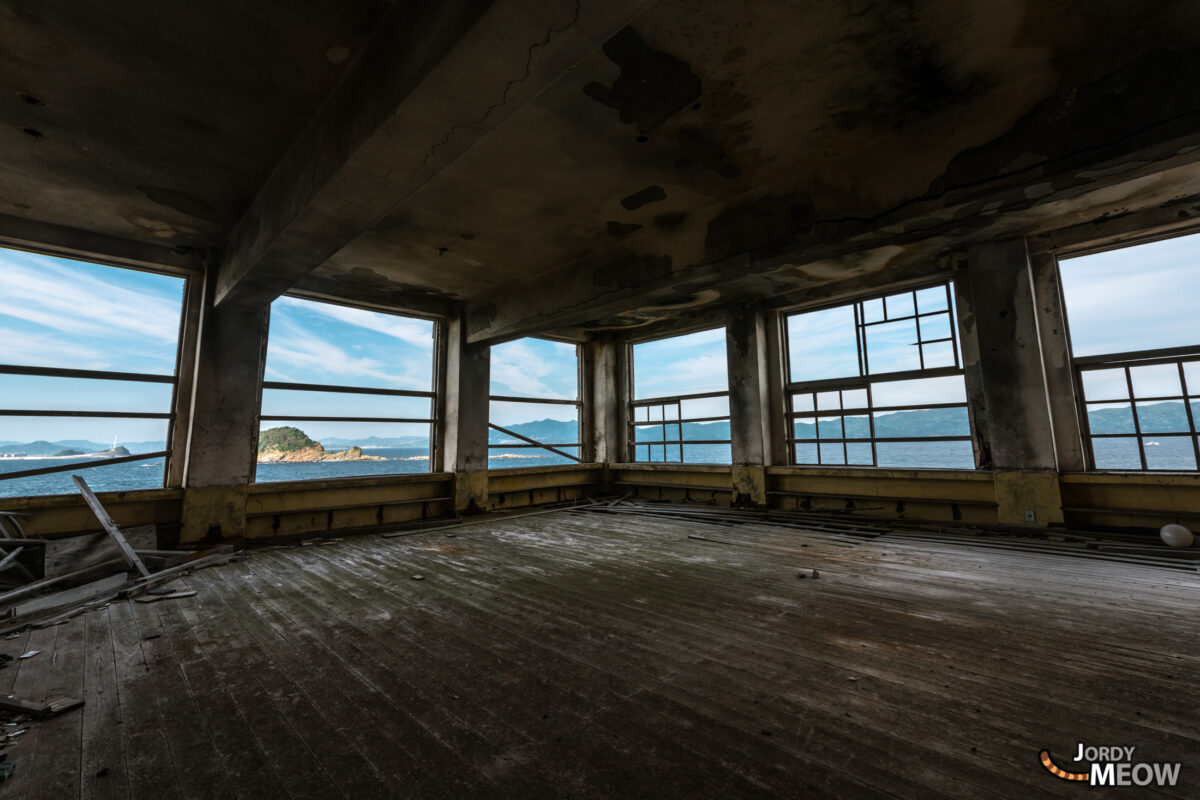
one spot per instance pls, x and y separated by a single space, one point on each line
1126 362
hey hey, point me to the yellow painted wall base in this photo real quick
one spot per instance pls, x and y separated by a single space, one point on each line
470 491
749 486
213 512
1028 498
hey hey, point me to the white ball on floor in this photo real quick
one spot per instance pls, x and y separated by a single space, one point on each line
1176 535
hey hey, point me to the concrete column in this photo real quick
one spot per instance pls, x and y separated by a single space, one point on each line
222 437
602 401
623 355
464 422
749 403
1006 387
777 446
1056 361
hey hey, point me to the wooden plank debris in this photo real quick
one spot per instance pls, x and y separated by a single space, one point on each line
77 594
110 526
76 552
154 598
37 586
55 705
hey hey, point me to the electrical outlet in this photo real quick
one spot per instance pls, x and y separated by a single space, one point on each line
1030 516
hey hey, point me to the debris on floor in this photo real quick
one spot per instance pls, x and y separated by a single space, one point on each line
808 573
63 578
29 708
154 598
30 654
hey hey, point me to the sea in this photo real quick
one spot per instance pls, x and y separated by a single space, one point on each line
1167 453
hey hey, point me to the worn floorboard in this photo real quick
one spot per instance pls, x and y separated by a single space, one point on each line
590 655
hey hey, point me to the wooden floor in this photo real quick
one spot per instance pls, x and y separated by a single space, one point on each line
577 655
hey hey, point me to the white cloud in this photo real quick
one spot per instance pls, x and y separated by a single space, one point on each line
23 347
520 370
417 332
1135 298
70 300
292 346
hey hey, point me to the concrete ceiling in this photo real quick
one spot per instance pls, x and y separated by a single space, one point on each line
552 164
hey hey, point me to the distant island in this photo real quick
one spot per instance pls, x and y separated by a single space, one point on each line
288 445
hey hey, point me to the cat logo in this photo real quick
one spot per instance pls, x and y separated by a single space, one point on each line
1112 766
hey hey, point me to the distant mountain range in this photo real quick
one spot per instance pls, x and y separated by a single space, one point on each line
43 448
543 430
1155 418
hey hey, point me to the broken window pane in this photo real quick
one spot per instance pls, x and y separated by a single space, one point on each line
892 347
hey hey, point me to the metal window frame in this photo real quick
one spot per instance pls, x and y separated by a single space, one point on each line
632 404
1126 361
578 403
866 380
172 379
342 389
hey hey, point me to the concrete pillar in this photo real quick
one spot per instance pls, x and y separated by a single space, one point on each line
1056 362
464 421
1006 387
602 401
777 445
749 403
222 437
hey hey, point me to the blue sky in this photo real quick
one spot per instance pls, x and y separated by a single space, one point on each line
689 364
533 368
1135 298
312 342
61 313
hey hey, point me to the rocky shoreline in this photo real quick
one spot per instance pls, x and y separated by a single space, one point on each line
312 454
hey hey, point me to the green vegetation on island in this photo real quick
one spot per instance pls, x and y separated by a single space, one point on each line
286 444
284 439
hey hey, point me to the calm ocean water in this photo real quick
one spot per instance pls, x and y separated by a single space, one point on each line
1169 453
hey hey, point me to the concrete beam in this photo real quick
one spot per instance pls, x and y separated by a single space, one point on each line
463 426
749 402
223 433
432 81
67 242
